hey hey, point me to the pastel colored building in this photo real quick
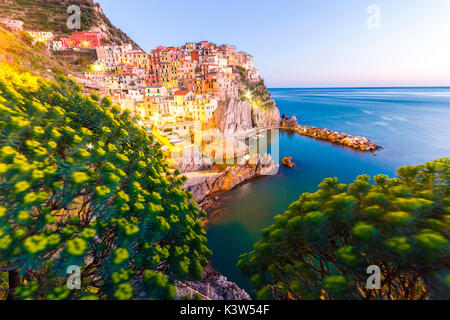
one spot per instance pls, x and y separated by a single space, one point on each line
157 105
83 39
42 36
14 25
156 91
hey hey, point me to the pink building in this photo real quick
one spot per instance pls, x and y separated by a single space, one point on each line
84 39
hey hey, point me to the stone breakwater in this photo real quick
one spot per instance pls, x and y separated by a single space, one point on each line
358 143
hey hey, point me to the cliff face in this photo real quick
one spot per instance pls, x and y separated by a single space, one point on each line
214 286
207 183
233 116
236 116
267 117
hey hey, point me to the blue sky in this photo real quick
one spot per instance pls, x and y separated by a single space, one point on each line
305 43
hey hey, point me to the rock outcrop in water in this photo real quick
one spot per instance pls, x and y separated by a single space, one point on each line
287 122
288 162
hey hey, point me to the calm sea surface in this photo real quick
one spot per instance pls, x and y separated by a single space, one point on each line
412 124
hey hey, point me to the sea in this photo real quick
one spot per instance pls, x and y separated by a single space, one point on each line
411 124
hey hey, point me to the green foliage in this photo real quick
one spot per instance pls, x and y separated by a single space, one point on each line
81 184
52 16
322 246
260 95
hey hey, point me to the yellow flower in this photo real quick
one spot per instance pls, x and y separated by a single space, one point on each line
100 152
3 168
123 196
102 191
124 292
38 130
84 153
53 239
120 276
30 198
50 170
76 247
23 215
122 157
19 122
5 242
32 144
86 132
7 151
112 148
106 130
21 186
39 107
55 133
35 244
77 139
52 145
41 151
120 255
37 174
2 211
20 232
131 229
88 233
80 177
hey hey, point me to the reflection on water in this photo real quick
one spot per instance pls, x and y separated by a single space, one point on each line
413 126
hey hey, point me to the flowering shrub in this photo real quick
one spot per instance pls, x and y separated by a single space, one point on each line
323 245
81 184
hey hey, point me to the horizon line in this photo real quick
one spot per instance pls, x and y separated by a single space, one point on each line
365 87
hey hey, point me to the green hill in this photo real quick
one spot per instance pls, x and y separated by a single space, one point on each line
51 15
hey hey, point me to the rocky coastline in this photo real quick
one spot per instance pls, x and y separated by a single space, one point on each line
205 185
235 119
213 286
354 142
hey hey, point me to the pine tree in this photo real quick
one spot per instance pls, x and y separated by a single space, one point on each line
322 247
82 185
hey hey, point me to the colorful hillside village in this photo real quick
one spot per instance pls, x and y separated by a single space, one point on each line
175 90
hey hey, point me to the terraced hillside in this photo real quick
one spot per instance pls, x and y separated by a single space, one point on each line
51 15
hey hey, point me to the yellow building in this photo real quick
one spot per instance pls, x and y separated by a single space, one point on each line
169 74
156 105
203 108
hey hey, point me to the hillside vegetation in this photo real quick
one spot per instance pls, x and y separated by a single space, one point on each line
51 15
82 185
322 246
19 51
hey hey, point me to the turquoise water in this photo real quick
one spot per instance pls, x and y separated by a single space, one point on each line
412 124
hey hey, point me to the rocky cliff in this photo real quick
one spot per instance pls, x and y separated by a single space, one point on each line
207 183
235 115
213 286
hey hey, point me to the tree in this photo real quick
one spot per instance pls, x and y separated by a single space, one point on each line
82 185
322 247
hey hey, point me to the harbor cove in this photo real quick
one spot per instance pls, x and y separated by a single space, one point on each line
224 155
411 124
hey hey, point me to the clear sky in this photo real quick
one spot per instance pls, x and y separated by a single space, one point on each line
306 43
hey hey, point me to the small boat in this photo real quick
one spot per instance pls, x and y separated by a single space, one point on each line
259 136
